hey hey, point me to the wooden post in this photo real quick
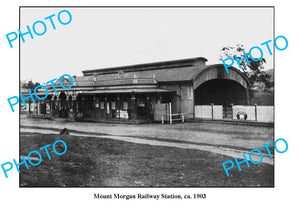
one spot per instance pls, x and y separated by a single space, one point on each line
118 106
94 106
52 107
133 107
105 106
148 106
170 109
74 107
35 108
82 106
29 107
255 112
50 104
212 110
232 110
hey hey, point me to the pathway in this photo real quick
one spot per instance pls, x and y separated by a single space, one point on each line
184 145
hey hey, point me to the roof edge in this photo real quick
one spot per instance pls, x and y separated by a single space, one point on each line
217 65
148 66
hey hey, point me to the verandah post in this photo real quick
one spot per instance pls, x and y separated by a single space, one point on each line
255 105
212 110
133 107
232 110
29 107
170 110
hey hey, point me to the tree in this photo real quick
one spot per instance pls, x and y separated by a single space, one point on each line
253 70
30 85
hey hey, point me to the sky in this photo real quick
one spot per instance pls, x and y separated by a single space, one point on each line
110 37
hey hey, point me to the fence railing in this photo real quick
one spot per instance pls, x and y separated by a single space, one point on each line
251 113
170 117
209 111
255 113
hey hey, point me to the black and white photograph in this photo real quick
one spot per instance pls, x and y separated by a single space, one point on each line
146 96
149 106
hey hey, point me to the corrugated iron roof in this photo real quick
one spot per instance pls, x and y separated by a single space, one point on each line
136 90
148 66
160 75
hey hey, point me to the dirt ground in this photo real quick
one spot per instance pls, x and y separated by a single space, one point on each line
94 162
184 154
250 137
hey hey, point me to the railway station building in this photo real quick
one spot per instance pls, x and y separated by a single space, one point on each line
146 92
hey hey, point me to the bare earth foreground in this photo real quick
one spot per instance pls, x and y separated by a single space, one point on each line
150 155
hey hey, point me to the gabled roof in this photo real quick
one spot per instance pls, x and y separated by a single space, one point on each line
148 66
148 74
160 75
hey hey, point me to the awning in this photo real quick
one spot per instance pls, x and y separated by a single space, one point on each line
113 91
136 90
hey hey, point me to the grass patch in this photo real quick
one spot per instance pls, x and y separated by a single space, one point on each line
98 162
